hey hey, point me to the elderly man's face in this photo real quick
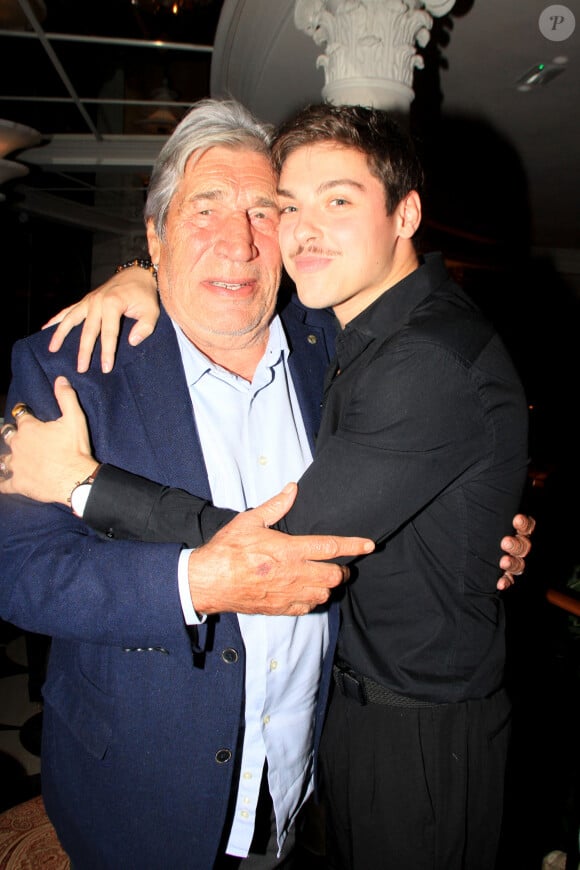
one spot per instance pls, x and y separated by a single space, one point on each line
219 264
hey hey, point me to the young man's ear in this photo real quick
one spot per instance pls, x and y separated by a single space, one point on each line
409 214
153 242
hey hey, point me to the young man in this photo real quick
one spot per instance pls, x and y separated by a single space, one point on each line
423 441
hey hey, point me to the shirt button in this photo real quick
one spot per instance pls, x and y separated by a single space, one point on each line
312 339
245 814
230 656
222 756
266 720
262 460
273 665
247 774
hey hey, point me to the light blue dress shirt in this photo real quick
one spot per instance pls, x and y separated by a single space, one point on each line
254 442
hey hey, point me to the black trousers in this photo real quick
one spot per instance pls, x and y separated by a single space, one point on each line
414 789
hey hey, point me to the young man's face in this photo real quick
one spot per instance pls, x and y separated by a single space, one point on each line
338 244
219 262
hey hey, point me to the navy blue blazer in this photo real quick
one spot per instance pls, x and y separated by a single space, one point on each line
139 739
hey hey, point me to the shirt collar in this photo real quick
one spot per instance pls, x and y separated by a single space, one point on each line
387 314
196 364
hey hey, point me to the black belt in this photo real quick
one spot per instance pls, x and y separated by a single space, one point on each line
365 691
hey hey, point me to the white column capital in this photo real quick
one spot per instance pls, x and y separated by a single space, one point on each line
369 46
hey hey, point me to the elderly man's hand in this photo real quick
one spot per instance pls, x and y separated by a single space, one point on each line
250 568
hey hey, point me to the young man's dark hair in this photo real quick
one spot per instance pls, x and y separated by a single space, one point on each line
391 153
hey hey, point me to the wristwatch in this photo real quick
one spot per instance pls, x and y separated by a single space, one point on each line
81 491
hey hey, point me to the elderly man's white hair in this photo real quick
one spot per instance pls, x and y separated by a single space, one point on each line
209 123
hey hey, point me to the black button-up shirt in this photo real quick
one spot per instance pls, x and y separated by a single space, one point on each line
422 447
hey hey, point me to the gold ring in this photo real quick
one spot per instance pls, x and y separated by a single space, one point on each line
19 409
7 429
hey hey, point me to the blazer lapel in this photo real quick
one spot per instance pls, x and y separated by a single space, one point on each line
311 335
157 382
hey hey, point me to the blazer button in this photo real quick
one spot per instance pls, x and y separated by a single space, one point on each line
222 756
230 656
312 339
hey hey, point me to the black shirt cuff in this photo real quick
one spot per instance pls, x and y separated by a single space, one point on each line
126 506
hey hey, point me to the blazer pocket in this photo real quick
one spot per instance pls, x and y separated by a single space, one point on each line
83 709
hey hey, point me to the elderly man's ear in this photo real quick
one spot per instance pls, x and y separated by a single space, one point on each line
153 242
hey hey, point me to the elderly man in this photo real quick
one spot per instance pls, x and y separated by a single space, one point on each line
177 713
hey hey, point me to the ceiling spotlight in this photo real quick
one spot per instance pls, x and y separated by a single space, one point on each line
172 6
539 75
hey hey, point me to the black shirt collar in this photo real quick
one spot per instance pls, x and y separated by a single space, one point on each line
387 314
